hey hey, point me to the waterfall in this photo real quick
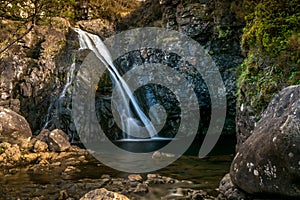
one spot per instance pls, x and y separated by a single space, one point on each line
129 123
56 107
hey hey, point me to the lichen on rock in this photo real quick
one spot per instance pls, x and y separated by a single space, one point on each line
267 163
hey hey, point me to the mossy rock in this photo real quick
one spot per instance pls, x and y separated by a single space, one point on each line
271 42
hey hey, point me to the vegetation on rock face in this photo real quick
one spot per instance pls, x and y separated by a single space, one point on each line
28 13
71 9
271 41
149 13
112 10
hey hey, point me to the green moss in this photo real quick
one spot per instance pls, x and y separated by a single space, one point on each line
271 43
270 26
223 32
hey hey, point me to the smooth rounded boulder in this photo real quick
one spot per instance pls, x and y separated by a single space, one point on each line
268 162
14 128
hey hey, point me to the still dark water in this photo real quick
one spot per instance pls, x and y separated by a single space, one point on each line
48 182
206 171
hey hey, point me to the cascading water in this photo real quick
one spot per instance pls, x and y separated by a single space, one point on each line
58 106
129 123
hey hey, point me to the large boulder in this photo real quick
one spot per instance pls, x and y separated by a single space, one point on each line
268 162
14 128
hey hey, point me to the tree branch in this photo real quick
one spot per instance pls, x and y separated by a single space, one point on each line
10 43
32 20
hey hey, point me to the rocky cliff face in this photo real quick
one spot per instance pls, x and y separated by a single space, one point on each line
217 27
271 44
29 71
214 24
34 70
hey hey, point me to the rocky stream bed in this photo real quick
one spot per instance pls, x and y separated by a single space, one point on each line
31 171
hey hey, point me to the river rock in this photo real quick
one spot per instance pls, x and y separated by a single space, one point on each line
135 177
229 190
43 135
103 194
40 146
58 141
13 127
9 154
268 162
141 188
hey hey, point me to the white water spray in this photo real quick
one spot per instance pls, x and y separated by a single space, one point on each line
95 44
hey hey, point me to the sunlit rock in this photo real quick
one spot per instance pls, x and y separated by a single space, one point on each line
103 194
13 127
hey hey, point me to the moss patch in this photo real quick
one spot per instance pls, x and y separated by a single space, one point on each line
271 42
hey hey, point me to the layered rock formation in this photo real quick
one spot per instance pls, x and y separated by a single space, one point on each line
34 71
29 73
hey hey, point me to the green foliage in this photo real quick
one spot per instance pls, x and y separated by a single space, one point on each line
271 41
38 9
70 9
270 26
223 33
112 10
26 14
